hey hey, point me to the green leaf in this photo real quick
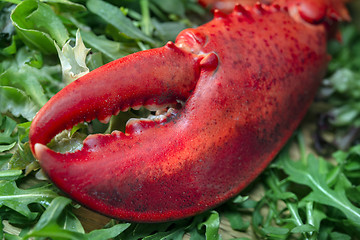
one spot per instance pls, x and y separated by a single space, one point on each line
48 225
52 213
176 234
236 221
16 102
354 193
171 7
107 233
140 230
7 136
212 225
313 177
305 228
350 161
22 158
44 19
346 82
346 115
13 1
7 147
39 26
7 132
23 130
240 199
9 50
8 236
64 142
112 50
339 236
4 159
19 199
168 31
10 175
274 231
94 60
68 5
27 78
115 17
7 125
54 232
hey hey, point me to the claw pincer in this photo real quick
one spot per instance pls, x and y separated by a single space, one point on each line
246 80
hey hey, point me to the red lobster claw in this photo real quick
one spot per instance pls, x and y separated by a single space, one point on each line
247 80
312 11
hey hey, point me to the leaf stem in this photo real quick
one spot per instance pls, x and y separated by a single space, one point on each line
145 21
274 184
310 218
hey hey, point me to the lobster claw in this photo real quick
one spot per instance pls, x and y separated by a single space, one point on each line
142 79
155 79
312 11
246 83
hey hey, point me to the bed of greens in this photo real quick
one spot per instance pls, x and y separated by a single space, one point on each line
311 190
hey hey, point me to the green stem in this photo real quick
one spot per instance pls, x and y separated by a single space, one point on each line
145 21
274 184
142 46
310 218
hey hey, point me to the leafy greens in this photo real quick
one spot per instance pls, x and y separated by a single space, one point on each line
306 198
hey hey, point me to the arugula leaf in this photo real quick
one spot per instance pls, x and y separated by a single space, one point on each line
171 7
212 225
7 127
36 32
70 228
10 175
4 148
344 53
140 231
168 30
321 206
345 85
300 201
115 17
66 5
16 102
345 81
107 233
52 214
26 78
341 93
112 50
313 177
201 227
22 159
18 199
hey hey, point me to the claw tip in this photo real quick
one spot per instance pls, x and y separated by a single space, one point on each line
240 9
210 62
219 14
171 45
39 150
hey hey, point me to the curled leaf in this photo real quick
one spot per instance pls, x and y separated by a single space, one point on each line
73 59
17 103
38 25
